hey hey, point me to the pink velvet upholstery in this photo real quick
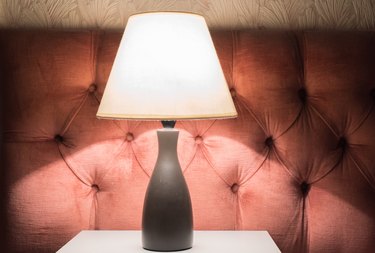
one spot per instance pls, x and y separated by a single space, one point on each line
299 161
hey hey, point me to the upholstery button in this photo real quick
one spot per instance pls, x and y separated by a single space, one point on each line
92 88
129 137
302 94
58 138
233 92
198 139
269 142
95 187
305 187
235 188
342 142
372 93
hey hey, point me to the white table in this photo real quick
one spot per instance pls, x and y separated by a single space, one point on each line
103 241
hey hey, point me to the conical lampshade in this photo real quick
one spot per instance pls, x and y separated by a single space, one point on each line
166 68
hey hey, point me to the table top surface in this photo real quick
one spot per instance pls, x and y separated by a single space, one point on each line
114 241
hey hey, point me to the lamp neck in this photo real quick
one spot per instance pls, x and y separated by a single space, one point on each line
168 123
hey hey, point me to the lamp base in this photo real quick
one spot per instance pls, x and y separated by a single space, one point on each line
167 223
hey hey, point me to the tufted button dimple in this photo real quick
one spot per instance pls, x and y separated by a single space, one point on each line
95 187
129 137
58 138
93 88
305 187
234 188
372 93
233 92
302 94
198 139
269 142
342 143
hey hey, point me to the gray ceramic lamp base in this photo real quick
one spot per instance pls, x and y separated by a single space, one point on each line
167 223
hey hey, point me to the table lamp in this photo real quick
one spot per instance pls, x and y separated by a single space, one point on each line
166 69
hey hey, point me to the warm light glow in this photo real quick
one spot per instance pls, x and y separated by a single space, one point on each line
166 68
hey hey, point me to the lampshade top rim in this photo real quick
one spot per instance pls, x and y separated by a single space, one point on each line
165 12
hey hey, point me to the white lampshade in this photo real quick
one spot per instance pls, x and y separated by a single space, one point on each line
166 68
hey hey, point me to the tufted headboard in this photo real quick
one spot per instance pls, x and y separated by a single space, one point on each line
299 161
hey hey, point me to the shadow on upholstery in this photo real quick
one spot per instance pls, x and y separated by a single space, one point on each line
298 161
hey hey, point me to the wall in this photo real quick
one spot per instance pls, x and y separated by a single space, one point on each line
112 14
